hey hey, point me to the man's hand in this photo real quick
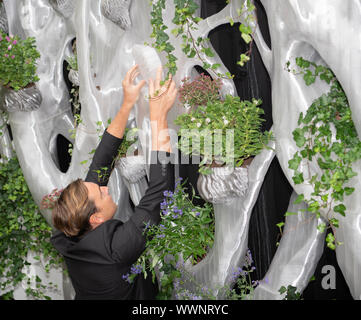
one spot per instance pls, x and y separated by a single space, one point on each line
131 94
131 91
161 100
162 97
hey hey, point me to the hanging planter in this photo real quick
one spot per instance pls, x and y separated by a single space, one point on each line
223 183
18 73
26 99
130 164
73 74
64 7
74 77
132 168
117 11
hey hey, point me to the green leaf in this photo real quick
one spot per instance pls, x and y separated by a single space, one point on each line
295 162
299 137
299 199
208 52
280 225
340 209
322 227
298 178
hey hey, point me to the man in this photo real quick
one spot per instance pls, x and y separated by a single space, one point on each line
98 249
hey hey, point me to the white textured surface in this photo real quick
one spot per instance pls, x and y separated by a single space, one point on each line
327 32
322 30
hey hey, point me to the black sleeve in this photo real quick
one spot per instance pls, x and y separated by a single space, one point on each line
128 241
103 160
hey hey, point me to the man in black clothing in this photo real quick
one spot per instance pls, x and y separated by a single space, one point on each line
98 249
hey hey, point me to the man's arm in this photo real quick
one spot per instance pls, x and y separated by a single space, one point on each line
129 240
107 150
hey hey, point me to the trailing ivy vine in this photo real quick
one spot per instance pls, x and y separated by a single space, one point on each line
327 135
22 229
186 23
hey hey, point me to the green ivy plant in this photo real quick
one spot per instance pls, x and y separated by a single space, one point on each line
18 61
291 293
186 23
228 139
335 153
22 229
186 232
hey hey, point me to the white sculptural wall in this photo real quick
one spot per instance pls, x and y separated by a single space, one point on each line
110 37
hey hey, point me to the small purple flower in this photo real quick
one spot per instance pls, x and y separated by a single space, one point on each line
168 194
163 205
198 214
126 277
165 212
15 42
175 216
12 57
7 38
136 269
161 226
6 55
161 236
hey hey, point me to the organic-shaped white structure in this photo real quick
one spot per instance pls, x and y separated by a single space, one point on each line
328 32
110 38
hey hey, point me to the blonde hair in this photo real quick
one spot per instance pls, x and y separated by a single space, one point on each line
73 209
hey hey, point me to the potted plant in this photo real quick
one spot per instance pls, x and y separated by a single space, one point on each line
73 67
18 73
185 233
226 134
199 92
132 165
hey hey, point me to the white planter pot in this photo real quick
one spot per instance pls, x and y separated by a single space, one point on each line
74 77
117 11
223 184
132 170
64 7
27 99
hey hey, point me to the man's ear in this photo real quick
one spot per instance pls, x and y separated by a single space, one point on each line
95 220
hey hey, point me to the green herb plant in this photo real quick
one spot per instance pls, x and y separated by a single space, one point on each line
334 153
18 61
22 229
228 139
186 23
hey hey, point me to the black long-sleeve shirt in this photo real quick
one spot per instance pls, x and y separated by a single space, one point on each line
97 261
